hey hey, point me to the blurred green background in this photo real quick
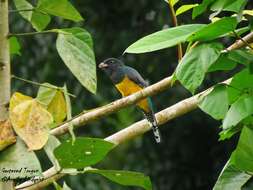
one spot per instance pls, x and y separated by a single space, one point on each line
190 157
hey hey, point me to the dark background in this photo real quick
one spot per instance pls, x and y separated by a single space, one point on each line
190 157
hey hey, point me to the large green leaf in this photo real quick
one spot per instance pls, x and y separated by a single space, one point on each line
238 111
228 5
164 38
242 157
14 46
201 8
84 152
216 102
231 178
194 65
18 160
241 83
38 20
75 48
214 30
127 178
61 8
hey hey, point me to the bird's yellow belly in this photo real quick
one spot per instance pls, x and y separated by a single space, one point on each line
127 87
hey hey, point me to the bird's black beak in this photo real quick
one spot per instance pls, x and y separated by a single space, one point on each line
102 65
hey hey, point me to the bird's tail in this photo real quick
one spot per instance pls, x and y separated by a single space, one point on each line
152 120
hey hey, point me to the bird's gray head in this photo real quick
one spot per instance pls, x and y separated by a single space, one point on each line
110 64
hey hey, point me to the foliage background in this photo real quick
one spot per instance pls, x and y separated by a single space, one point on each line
190 157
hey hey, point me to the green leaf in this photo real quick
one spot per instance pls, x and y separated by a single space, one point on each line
231 178
216 102
201 8
185 8
238 111
61 8
242 157
52 143
45 95
228 133
74 47
214 30
241 83
84 152
17 157
192 68
242 56
38 20
79 33
14 46
163 39
223 63
126 178
228 5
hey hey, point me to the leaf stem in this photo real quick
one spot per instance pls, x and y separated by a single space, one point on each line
44 85
32 33
20 10
175 23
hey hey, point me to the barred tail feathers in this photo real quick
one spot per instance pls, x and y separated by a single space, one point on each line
151 118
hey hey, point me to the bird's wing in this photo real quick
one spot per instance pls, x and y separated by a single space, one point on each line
133 75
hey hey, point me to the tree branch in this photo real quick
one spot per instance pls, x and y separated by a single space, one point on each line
137 128
113 107
241 42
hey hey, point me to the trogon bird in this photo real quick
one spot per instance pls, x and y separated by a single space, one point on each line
128 81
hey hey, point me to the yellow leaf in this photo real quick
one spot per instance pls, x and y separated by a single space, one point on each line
18 98
31 122
7 136
58 108
54 101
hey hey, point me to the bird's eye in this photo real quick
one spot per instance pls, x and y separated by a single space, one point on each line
112 62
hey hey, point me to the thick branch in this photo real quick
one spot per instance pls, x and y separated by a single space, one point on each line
5 83
4 60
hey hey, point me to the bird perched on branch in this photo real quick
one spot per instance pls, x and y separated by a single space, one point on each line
128 81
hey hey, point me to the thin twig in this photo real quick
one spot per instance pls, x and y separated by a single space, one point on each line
175 23
240 38
32 33
239 43
43 85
